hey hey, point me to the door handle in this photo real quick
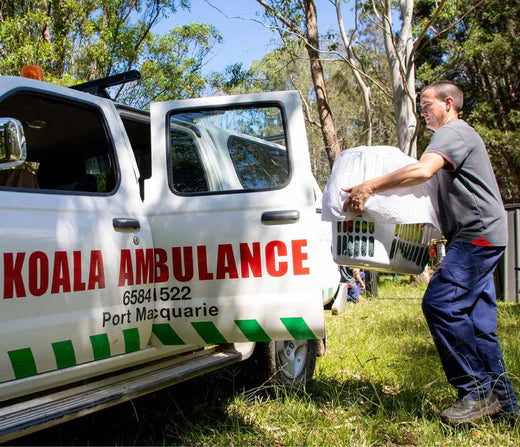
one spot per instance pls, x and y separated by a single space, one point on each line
280 217
124 223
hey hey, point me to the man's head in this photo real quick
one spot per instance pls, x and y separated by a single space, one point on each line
441 102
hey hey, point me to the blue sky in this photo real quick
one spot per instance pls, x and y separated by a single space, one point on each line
244 40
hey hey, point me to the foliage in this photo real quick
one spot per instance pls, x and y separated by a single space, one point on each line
171 64
296 21
79 40
476 44
367 45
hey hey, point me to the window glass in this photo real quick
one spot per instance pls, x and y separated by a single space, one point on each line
258 165
228 150
68 148
187 171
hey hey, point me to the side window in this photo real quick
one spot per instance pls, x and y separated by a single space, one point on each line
258 165
68 148
187 170
242 149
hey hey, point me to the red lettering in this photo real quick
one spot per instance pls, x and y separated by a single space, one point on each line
13 275
274 249
126 269
161 269
226 264
144 266
202 261
97 271
182 271
60 273
79 285
298 257
38 273
250 261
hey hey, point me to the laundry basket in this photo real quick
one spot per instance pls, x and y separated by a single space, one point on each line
395 248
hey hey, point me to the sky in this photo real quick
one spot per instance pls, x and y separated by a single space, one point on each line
244 39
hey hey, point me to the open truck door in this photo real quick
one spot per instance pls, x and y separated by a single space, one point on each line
234 214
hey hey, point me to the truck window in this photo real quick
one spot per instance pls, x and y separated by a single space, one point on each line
68 148
258 166
228 150
187 170
137 126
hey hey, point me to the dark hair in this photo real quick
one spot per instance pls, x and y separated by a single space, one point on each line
443 89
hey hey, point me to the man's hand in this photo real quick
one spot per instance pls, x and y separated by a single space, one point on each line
358 196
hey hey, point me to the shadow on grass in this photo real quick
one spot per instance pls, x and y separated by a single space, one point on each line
371 398
198 413
189 413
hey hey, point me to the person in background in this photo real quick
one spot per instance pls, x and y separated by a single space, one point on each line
352 279
460 302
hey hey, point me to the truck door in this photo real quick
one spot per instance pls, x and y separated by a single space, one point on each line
233 218
69 214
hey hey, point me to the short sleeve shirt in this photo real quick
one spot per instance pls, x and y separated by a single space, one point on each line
470 206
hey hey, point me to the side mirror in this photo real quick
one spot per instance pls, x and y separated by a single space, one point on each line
13 150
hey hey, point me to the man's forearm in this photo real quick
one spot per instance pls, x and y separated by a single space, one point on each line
410 175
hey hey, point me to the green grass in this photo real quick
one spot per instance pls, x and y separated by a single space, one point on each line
380 384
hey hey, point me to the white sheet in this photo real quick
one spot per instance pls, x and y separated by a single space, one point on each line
415 204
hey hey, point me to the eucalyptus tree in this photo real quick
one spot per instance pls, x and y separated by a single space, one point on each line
477 45
80 40
297 19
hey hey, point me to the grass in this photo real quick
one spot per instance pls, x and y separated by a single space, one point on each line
380 384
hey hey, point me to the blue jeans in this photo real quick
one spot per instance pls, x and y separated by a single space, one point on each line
461 311
353 293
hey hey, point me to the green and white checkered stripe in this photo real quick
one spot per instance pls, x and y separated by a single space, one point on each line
24 365
252 330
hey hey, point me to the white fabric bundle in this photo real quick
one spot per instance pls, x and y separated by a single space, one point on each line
414 204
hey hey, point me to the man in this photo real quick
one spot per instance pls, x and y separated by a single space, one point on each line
460 302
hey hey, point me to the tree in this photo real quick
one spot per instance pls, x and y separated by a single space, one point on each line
298 19
359 73
402 45
400 56
80 40
477 46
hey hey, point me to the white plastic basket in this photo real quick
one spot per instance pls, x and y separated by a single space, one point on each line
395 248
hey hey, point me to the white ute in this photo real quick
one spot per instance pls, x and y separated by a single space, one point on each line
139 249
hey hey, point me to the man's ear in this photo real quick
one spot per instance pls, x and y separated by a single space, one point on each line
449 101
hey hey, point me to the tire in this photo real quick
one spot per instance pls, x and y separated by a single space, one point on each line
288 363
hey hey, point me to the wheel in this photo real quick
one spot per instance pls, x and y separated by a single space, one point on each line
288 363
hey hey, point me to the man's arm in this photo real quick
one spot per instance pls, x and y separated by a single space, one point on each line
358 278
411 175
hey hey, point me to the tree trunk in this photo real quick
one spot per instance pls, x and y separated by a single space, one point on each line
399 54
328 129
365 86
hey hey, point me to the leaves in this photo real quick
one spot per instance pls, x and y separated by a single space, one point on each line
480 50
79 40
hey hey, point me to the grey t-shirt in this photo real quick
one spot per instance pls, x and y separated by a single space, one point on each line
470 206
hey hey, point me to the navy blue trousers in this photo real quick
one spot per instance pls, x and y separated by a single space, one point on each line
353 293
461 311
